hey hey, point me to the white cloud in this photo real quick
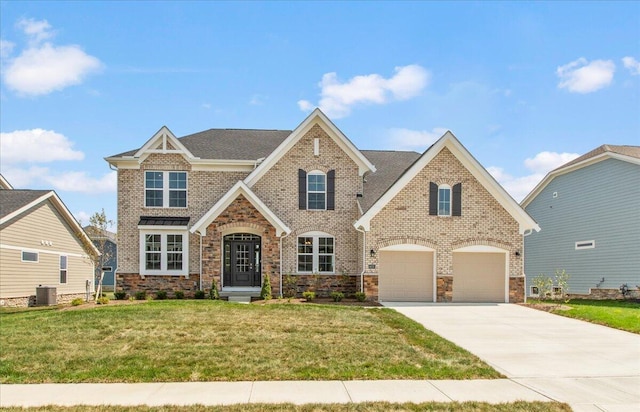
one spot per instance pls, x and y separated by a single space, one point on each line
36 146
82 217
411 139
36 30
632 64
580 76
82 182
42 67
6 47
21 178
337 98
257 100
540 165
545 162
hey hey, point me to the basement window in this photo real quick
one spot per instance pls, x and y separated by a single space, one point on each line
586 244
534 291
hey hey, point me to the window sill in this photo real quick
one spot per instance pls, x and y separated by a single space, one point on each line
142 275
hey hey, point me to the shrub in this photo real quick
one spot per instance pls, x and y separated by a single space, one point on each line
141 295
544 284
120 295
361 296
103 300
309 295
77 302
213 292
161 294
199 294
265 293
179 294
337 296
290 284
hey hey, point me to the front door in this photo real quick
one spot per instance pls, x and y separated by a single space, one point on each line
242 260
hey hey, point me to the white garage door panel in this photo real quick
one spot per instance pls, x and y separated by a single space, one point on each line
405 276
478 277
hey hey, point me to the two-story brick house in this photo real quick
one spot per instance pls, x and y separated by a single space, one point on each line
233 206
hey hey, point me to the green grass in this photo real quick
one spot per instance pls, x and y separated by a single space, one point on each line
350 407
617 314
178 341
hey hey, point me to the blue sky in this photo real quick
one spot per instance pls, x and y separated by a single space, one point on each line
525 86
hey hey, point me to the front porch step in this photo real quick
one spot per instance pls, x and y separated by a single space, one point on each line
240 299
229 293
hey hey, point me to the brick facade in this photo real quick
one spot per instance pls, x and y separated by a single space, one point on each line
240 217
406 220
278 189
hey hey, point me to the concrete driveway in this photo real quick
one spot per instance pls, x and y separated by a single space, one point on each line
565 359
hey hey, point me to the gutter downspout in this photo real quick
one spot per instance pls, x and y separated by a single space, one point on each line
364 258
281 237
200 275
525 234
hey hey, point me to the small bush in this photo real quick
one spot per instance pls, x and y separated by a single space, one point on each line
361 296
179 294
337 296
309 295
120 295
161 294
265 293
199 294
103 300
141 295
77 302
290 285
213 292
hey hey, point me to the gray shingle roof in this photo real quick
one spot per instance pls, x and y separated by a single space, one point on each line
632 151
230 144
12 200
390 166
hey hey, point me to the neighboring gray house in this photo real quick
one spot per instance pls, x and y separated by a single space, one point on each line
589 214
98 237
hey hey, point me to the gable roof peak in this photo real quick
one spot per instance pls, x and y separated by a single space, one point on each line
315 117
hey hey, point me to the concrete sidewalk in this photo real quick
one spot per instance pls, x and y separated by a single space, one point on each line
296 392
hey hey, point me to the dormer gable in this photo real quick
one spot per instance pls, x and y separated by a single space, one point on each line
317 117
163 142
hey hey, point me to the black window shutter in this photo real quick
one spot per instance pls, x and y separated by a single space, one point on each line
433 199
456 207
302 189
331 190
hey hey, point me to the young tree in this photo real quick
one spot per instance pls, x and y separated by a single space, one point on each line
100 235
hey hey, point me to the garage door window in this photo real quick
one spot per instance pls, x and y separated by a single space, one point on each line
316 253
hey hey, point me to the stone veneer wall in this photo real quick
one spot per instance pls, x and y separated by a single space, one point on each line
133 282
278 189
406 220
444 292
28 301
323 285
240 217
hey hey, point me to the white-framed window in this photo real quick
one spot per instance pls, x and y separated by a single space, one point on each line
556 290
31 257
165 189
444 200
586 244
316 190
63 269
164 252
534 291
316 253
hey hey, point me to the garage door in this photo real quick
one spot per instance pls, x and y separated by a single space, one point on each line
405 276
478 277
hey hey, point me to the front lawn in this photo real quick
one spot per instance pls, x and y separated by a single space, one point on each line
348 407
617 314
178 341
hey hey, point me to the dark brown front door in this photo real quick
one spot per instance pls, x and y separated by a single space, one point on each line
242 260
